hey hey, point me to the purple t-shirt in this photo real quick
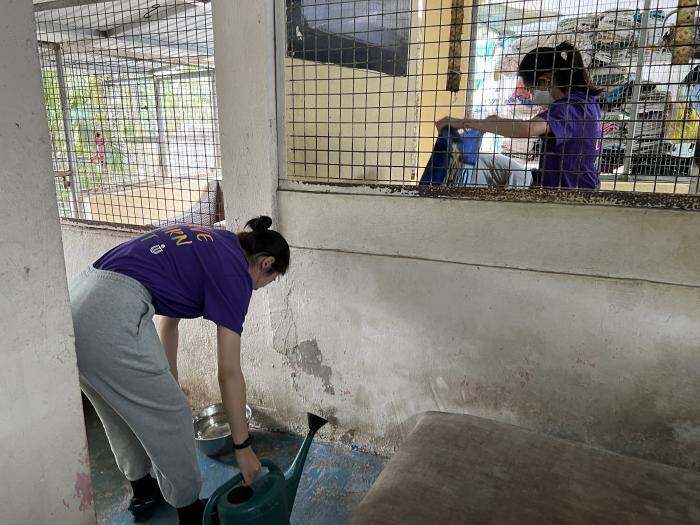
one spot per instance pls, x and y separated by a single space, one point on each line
190 271
570 153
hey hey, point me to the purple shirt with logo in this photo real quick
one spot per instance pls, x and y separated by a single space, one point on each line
570 153
190 271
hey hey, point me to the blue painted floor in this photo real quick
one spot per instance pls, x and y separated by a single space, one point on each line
335 478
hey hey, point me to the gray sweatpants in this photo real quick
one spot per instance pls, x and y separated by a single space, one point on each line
494 169
125 374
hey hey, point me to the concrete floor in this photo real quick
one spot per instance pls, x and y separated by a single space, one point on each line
335 477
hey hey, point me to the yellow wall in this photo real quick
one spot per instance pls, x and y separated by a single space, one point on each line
646 187
435 101
346 124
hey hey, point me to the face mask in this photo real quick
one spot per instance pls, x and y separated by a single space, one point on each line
542 97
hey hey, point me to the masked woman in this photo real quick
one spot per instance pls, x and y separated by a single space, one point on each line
570 129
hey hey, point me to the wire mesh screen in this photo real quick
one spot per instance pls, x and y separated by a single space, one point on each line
588 95
131 105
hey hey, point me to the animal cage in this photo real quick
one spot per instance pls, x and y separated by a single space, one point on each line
365 82
130 97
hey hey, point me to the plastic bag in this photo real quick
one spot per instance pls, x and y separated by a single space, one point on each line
453 158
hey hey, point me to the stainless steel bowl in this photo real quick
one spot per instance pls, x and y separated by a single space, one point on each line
211 429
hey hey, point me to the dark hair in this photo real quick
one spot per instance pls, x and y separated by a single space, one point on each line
564 62
261 240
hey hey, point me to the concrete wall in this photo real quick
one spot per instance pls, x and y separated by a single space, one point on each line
44 461
580 321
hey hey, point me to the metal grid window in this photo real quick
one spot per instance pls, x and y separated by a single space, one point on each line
131 105
366 81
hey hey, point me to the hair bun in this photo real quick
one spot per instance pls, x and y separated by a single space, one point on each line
564 46
260 224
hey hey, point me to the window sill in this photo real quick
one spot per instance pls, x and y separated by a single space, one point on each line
669 201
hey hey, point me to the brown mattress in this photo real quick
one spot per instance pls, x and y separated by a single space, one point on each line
456 468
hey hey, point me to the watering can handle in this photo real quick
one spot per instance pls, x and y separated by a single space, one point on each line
236 480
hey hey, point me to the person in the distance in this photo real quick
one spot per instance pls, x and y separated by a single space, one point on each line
570 129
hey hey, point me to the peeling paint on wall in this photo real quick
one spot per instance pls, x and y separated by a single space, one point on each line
307 357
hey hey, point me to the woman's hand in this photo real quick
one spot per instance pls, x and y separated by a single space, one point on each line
507 127
249 464
232 386
449 122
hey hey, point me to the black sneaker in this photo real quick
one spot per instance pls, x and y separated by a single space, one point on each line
143 508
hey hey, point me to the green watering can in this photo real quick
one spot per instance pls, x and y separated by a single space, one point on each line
269 499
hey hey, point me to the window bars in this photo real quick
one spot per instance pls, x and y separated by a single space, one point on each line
366 80
131 105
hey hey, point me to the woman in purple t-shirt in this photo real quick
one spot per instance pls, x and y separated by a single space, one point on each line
570 129
129 371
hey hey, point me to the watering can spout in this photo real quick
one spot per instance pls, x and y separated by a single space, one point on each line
293 474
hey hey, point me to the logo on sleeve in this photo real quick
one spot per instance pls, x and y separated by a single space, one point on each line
157 248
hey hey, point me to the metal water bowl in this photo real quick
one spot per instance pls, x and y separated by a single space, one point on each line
212 433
